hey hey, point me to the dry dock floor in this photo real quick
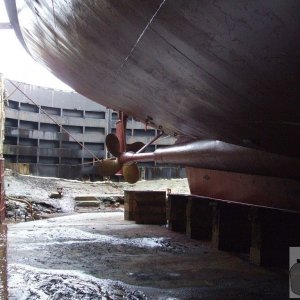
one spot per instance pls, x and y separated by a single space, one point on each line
102 256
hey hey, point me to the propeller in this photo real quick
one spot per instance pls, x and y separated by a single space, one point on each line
131 173
110 166
113 144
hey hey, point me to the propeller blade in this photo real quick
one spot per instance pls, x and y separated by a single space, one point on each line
131 173
134 147
108 167
113 144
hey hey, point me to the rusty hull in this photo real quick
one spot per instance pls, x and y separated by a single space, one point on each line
258 190
217 70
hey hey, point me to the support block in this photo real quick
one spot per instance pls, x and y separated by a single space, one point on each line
272 233
129 205
199 218
145 207
150 207
231 227
176 212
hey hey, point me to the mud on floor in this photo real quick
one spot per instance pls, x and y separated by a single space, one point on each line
36 190
101 256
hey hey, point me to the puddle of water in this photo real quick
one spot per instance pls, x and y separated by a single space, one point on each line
30 283
60 236
3 262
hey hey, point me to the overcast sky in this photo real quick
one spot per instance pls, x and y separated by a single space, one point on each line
15 62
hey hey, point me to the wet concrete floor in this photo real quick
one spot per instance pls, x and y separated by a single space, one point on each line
102 256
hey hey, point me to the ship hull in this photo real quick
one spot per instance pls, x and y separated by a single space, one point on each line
218 70
199 70
249 189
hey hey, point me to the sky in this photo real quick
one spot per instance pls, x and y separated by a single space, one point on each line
17 64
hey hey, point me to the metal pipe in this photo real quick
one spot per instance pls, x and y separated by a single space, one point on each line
217 155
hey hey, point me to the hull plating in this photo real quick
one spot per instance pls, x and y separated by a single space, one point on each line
218 70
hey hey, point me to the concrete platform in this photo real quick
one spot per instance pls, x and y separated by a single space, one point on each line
102 256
